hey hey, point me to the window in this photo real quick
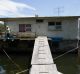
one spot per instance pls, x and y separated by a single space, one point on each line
39 20
21 27
58 26
54 25
28 27
24 27
51 23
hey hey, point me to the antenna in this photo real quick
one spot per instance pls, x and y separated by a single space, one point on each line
59 10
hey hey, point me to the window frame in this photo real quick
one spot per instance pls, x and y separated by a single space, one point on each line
25 27
57 27
39 20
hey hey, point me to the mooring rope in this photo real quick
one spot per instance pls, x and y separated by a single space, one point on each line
77 47
65 53
12 60
22 71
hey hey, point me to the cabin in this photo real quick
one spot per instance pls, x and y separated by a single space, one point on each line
60 30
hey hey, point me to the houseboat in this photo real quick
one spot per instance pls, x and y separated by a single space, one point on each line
60 30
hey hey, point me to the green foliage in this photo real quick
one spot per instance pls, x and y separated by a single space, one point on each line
2 28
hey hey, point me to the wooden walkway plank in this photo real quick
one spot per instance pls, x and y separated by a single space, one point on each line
42 61
44 69
41 53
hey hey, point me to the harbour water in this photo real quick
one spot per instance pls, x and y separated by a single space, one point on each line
66 64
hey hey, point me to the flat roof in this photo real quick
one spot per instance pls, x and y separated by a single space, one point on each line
36 17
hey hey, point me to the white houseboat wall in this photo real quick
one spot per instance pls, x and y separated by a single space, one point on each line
62 30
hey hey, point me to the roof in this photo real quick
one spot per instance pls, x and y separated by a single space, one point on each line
38 17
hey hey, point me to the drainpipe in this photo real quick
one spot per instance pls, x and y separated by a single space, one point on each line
78 58
78 37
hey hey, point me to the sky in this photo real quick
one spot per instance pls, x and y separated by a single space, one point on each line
29 8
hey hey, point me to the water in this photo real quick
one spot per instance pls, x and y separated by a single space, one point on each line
66 64
23 61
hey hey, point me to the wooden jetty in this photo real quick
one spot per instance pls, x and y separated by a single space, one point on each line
42 61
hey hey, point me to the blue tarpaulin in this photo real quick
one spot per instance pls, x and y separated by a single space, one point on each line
56 39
